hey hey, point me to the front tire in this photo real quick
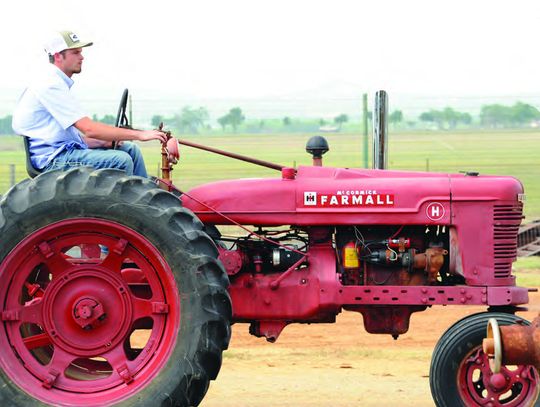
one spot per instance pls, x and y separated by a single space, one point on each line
460 373
141 321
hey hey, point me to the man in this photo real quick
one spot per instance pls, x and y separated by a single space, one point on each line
60 134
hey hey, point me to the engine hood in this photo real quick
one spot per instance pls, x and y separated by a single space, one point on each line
326 195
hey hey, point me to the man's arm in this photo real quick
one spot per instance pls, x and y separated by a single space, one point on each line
95 131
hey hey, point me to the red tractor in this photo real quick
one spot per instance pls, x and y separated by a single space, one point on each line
120 290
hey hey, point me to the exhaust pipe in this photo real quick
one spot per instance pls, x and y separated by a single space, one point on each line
380 131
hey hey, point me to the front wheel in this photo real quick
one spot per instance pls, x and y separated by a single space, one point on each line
110 294
460 373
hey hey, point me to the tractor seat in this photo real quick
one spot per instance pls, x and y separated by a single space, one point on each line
30 169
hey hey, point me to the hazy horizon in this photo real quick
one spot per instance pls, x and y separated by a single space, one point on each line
311 57
327 104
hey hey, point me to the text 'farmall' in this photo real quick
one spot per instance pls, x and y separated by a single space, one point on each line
352 198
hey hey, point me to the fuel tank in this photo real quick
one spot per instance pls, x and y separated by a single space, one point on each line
339 196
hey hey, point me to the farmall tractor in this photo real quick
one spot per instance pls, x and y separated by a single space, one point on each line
119 290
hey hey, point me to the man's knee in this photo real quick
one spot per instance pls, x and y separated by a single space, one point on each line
137 158
123 161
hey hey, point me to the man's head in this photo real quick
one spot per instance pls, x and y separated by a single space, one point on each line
65 51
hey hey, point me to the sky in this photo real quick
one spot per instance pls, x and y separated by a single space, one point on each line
282 50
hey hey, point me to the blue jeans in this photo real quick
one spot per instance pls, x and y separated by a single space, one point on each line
126 157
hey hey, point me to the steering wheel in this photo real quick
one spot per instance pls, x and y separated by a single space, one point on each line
121 116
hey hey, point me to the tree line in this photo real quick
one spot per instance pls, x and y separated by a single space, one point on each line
194 120
491 116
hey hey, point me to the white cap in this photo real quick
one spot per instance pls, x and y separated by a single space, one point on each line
63 40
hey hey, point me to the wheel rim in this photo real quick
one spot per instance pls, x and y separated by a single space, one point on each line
84 327
512 386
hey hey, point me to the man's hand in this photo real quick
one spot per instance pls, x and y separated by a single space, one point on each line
147 135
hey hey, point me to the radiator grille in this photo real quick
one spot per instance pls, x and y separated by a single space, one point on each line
506 221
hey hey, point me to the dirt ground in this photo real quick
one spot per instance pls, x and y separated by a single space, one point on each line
336 364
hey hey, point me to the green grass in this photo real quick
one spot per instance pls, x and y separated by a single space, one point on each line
514 153
527 271
528 263
528 278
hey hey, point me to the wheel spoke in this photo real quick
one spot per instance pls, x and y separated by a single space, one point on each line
60 359
141 308
30 313
57 366
113 262
118 360
491 398
522 377
37 341
116 256
147 308
55 261
476 358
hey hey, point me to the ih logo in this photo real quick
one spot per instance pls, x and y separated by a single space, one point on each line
310 198
435 211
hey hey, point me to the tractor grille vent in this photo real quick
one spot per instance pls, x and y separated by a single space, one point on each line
506 221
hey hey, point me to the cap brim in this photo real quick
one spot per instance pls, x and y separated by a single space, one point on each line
82 45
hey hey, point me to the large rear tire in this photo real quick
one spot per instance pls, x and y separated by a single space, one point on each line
110 294
460 372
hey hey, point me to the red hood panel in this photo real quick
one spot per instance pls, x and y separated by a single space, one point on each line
326 195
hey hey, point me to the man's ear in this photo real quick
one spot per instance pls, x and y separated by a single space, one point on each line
58 57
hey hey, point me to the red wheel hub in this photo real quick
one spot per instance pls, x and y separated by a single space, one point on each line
77 326
84 300
87 312
479 386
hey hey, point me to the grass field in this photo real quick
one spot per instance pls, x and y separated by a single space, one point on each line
515 153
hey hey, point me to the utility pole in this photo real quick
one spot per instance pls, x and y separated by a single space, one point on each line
365 125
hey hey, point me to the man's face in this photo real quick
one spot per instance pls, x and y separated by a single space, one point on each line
70 61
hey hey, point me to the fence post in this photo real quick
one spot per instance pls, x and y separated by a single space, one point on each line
11 174
365 128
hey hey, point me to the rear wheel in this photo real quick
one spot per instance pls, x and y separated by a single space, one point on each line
141 321
460 373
